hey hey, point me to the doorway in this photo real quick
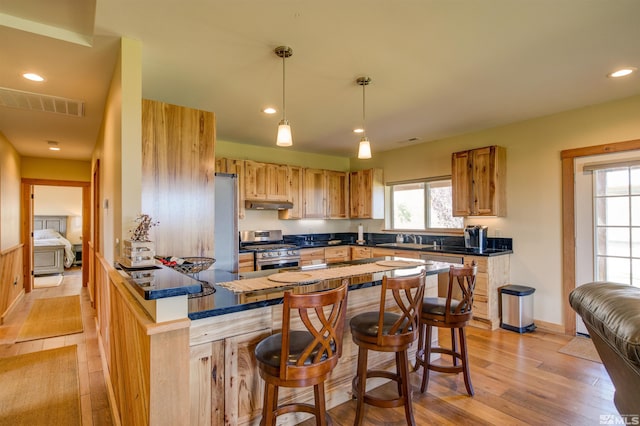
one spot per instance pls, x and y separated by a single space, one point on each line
27 220
569 231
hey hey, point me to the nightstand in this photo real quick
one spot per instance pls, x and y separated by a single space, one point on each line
77 249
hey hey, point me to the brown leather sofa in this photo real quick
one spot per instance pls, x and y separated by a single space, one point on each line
611 313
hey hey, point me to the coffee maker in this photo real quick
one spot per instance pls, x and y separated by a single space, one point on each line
475 237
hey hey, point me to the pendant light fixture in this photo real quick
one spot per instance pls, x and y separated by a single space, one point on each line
284 137
364 149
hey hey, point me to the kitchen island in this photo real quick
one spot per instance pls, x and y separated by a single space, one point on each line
225 387
201 365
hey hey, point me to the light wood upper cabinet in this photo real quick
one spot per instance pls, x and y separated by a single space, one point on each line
266 181
337 194
296 196
366 194
314 191
478 182
177 159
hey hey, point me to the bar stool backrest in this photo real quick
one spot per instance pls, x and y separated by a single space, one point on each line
462 282
407 293
323 316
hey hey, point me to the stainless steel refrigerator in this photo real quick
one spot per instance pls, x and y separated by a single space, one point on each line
225 230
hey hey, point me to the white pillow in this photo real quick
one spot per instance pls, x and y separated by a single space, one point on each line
43 234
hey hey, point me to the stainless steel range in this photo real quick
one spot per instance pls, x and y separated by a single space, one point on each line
270 251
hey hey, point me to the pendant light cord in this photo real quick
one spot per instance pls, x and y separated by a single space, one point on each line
364 127
284 108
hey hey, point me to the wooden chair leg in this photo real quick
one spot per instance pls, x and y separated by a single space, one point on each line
427 359
465 361
454 346
361 383
399 372
420 348
269 405
320 407
406 387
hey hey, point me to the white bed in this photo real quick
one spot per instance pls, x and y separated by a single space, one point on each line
52 252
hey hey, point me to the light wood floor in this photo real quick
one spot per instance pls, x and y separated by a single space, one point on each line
518 380
93 392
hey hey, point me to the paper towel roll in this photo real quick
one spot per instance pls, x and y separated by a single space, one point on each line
360 233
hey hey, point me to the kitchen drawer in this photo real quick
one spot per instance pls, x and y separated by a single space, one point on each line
481 262
382 252
480 306
360 253
312 256
407 253
337 254
482 283
245 262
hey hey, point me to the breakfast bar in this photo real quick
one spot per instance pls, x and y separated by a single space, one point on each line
239 310
223 370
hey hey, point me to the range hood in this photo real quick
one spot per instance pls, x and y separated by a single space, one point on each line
267 205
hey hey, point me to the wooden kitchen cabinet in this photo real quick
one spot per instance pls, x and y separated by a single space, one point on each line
311 256
337 194
493 273
225 384
266 181
478 182
360 252
337 254
366 189
296 175
314 191
246 262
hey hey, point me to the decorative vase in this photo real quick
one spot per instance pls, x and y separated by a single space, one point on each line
138 253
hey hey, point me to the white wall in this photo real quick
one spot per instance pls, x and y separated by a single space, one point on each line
534 186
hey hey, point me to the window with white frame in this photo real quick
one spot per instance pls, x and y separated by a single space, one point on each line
422 204
617 224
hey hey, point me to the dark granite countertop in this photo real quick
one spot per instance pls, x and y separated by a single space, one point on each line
158 282
224 301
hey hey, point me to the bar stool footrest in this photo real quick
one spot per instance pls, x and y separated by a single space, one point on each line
379 402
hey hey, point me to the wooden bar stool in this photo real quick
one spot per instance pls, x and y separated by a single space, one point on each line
391 329
453 312
303 357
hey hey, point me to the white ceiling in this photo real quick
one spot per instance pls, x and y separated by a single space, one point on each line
439 67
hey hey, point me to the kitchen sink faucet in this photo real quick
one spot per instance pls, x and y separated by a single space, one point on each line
417 239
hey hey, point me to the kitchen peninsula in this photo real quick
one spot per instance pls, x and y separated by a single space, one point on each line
224 384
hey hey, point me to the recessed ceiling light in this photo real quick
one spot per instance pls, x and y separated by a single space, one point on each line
53 146
32 76
622 72
269 110
358 130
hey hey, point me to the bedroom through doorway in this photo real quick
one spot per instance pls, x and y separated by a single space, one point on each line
56 227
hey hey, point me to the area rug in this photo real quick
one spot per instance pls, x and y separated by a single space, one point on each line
51 317
581 347
40 388
47 281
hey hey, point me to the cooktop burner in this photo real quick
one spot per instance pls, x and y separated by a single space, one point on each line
264 247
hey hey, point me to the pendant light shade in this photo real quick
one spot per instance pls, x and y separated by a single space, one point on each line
284 134
364 149
284 137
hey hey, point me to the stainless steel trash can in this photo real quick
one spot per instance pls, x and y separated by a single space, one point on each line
517 308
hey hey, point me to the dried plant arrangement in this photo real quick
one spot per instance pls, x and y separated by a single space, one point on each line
141 232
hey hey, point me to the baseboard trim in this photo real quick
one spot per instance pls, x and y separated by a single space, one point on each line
549 327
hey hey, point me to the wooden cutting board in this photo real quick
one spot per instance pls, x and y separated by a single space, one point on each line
292 277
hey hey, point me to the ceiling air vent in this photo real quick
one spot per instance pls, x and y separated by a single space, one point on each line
37 102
